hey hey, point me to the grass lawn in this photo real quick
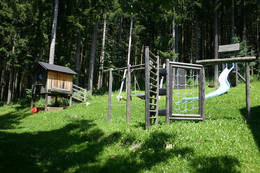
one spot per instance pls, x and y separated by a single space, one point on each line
79 139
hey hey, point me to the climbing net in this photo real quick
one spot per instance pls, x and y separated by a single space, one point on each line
185 91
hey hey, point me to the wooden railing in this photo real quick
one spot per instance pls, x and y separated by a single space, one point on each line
78 93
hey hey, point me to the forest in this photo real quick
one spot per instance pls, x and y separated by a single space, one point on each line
91 36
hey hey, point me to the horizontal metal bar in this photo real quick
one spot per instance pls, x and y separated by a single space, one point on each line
185 118
226 60
186 67
186 64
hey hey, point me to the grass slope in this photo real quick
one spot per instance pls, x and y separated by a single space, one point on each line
80 139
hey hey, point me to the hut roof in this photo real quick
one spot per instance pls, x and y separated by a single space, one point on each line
58 68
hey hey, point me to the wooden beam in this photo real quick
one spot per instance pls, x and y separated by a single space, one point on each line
202 93
248 91
128 89
229 48
168 91
110 94
226 60
147 88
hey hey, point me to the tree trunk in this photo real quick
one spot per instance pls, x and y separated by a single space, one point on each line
101 60
173 36
216 46
2 82
197 40
121 29
53 33
142 54
77 59
92 58
130 41
233 19
244 20
21 84
10 86
257 37
202 42
14 88
176 38
128 57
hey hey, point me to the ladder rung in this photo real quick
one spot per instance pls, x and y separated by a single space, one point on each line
152 110
153 104
153 91
153 85
153 60
153 79
153 73
153 117
153 98
153 67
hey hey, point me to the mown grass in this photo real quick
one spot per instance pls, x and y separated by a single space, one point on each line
80 139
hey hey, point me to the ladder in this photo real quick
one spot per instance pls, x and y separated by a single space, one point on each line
152 84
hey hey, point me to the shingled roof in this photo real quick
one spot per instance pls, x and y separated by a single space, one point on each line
58 68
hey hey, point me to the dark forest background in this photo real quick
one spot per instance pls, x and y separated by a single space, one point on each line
184 30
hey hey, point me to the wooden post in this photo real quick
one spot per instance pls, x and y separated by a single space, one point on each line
128 89
202 93
85 96
248 91
168 91
46 101
147 88
236 68
110 94
33 95
70 100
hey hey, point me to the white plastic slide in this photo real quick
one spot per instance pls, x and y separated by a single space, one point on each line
223 88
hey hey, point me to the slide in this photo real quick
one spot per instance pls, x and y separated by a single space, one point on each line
223 88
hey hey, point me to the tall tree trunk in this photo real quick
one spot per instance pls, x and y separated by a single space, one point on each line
202 41
244 20
257 37
92 58
176 39
182 43
233 19
21 84
173 36
142 54
10 86
53 32
77 58
197 39
101 60
121 29
14 87
130 41
2 82
216 46
128 57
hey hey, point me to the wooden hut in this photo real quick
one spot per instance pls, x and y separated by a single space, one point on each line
52 80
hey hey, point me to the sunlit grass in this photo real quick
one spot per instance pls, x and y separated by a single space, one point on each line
79 139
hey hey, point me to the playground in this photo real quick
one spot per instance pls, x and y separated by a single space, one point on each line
130 86
80 139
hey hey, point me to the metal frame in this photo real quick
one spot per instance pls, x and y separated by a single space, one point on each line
169 68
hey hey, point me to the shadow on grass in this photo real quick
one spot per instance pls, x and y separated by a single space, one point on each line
53 151
215 164
150 153
11 119
254 123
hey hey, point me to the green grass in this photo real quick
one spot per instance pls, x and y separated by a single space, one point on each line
80 139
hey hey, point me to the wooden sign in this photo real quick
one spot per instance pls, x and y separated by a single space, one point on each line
229 47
